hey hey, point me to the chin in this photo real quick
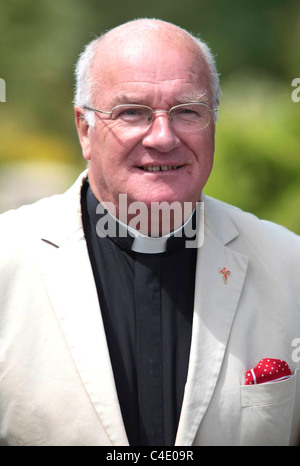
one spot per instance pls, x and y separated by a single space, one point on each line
159 199
159 194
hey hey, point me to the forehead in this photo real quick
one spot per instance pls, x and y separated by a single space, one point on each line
149 67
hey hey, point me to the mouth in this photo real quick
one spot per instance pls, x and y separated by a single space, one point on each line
157 168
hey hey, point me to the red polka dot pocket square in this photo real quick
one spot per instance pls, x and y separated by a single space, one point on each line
268 370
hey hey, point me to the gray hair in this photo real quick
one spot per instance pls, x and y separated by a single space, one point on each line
84 83
83 79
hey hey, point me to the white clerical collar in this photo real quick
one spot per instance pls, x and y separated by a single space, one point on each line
148 244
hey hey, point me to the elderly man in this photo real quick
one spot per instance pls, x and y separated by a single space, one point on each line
119 327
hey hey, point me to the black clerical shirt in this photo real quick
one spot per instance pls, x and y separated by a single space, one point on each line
146 302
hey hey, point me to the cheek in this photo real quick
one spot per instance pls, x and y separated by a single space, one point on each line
109 163
112 146
202 147
199 171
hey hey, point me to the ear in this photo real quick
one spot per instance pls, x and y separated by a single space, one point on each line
83 130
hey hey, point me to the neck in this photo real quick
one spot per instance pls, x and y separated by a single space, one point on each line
154 220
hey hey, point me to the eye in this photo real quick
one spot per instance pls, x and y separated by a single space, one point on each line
130 114
189 112
186 113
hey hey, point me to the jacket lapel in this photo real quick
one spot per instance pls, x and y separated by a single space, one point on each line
70 283
214 310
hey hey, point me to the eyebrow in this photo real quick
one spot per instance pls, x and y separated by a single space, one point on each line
120 99
199 97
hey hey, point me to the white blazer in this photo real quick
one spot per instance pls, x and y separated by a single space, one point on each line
56 380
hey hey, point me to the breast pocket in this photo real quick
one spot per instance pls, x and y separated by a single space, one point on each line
267 412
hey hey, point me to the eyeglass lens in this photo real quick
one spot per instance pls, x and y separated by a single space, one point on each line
190 117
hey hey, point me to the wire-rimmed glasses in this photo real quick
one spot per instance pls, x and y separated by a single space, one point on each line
188 117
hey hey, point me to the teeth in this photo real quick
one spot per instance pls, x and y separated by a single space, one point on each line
160 168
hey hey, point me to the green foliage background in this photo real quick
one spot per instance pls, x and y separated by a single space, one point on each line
257 162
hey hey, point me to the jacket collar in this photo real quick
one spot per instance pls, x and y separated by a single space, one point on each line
65 217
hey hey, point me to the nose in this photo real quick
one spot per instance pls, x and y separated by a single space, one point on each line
160 134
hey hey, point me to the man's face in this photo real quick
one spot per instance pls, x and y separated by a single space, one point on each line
159 76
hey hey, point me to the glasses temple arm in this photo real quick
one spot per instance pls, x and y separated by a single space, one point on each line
96 110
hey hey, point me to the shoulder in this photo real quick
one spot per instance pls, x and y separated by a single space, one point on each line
253 233
43 208
53 216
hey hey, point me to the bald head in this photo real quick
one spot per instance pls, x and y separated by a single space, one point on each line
129 39
148 30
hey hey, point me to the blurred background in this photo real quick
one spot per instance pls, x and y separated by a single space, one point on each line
257 49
